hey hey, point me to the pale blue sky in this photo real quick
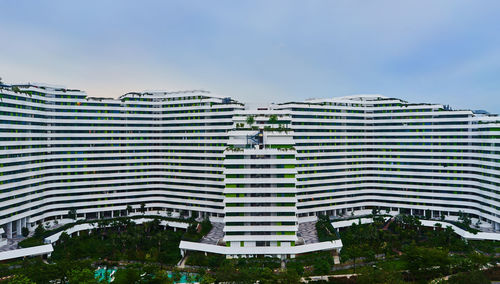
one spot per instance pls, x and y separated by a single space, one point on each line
260 51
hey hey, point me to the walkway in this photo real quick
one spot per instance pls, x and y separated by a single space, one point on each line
11 244
307 231
464 234
325 277
388 223
214 235
31 251
182 262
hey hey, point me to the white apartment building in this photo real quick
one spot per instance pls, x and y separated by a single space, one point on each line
261 172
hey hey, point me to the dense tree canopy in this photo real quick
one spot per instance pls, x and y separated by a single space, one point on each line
123 241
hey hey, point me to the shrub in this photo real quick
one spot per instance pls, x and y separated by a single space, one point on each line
206 226
477 277
326 232
30 242
25 232
39 231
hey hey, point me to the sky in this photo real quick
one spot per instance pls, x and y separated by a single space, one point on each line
259 52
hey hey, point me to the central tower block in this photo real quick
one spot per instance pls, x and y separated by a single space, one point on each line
260 203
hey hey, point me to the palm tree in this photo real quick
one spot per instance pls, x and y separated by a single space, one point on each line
72 214
147 227
273 119
159 237
250 120
129 209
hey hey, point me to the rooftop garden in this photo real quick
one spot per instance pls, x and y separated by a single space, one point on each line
273 123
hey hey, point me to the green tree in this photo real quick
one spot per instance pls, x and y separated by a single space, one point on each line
20 279
64 237
372 275
25 232
39 272
321 267
273 119
289 276
72 214
226 272
129 209
39 231
295 265
352 252
478 260
424 263
84 276
250 120
207 279
378 220
267 276
127 275
464 219
476 277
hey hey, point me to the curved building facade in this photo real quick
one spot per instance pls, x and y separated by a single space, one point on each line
260 172
364 152
60 150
